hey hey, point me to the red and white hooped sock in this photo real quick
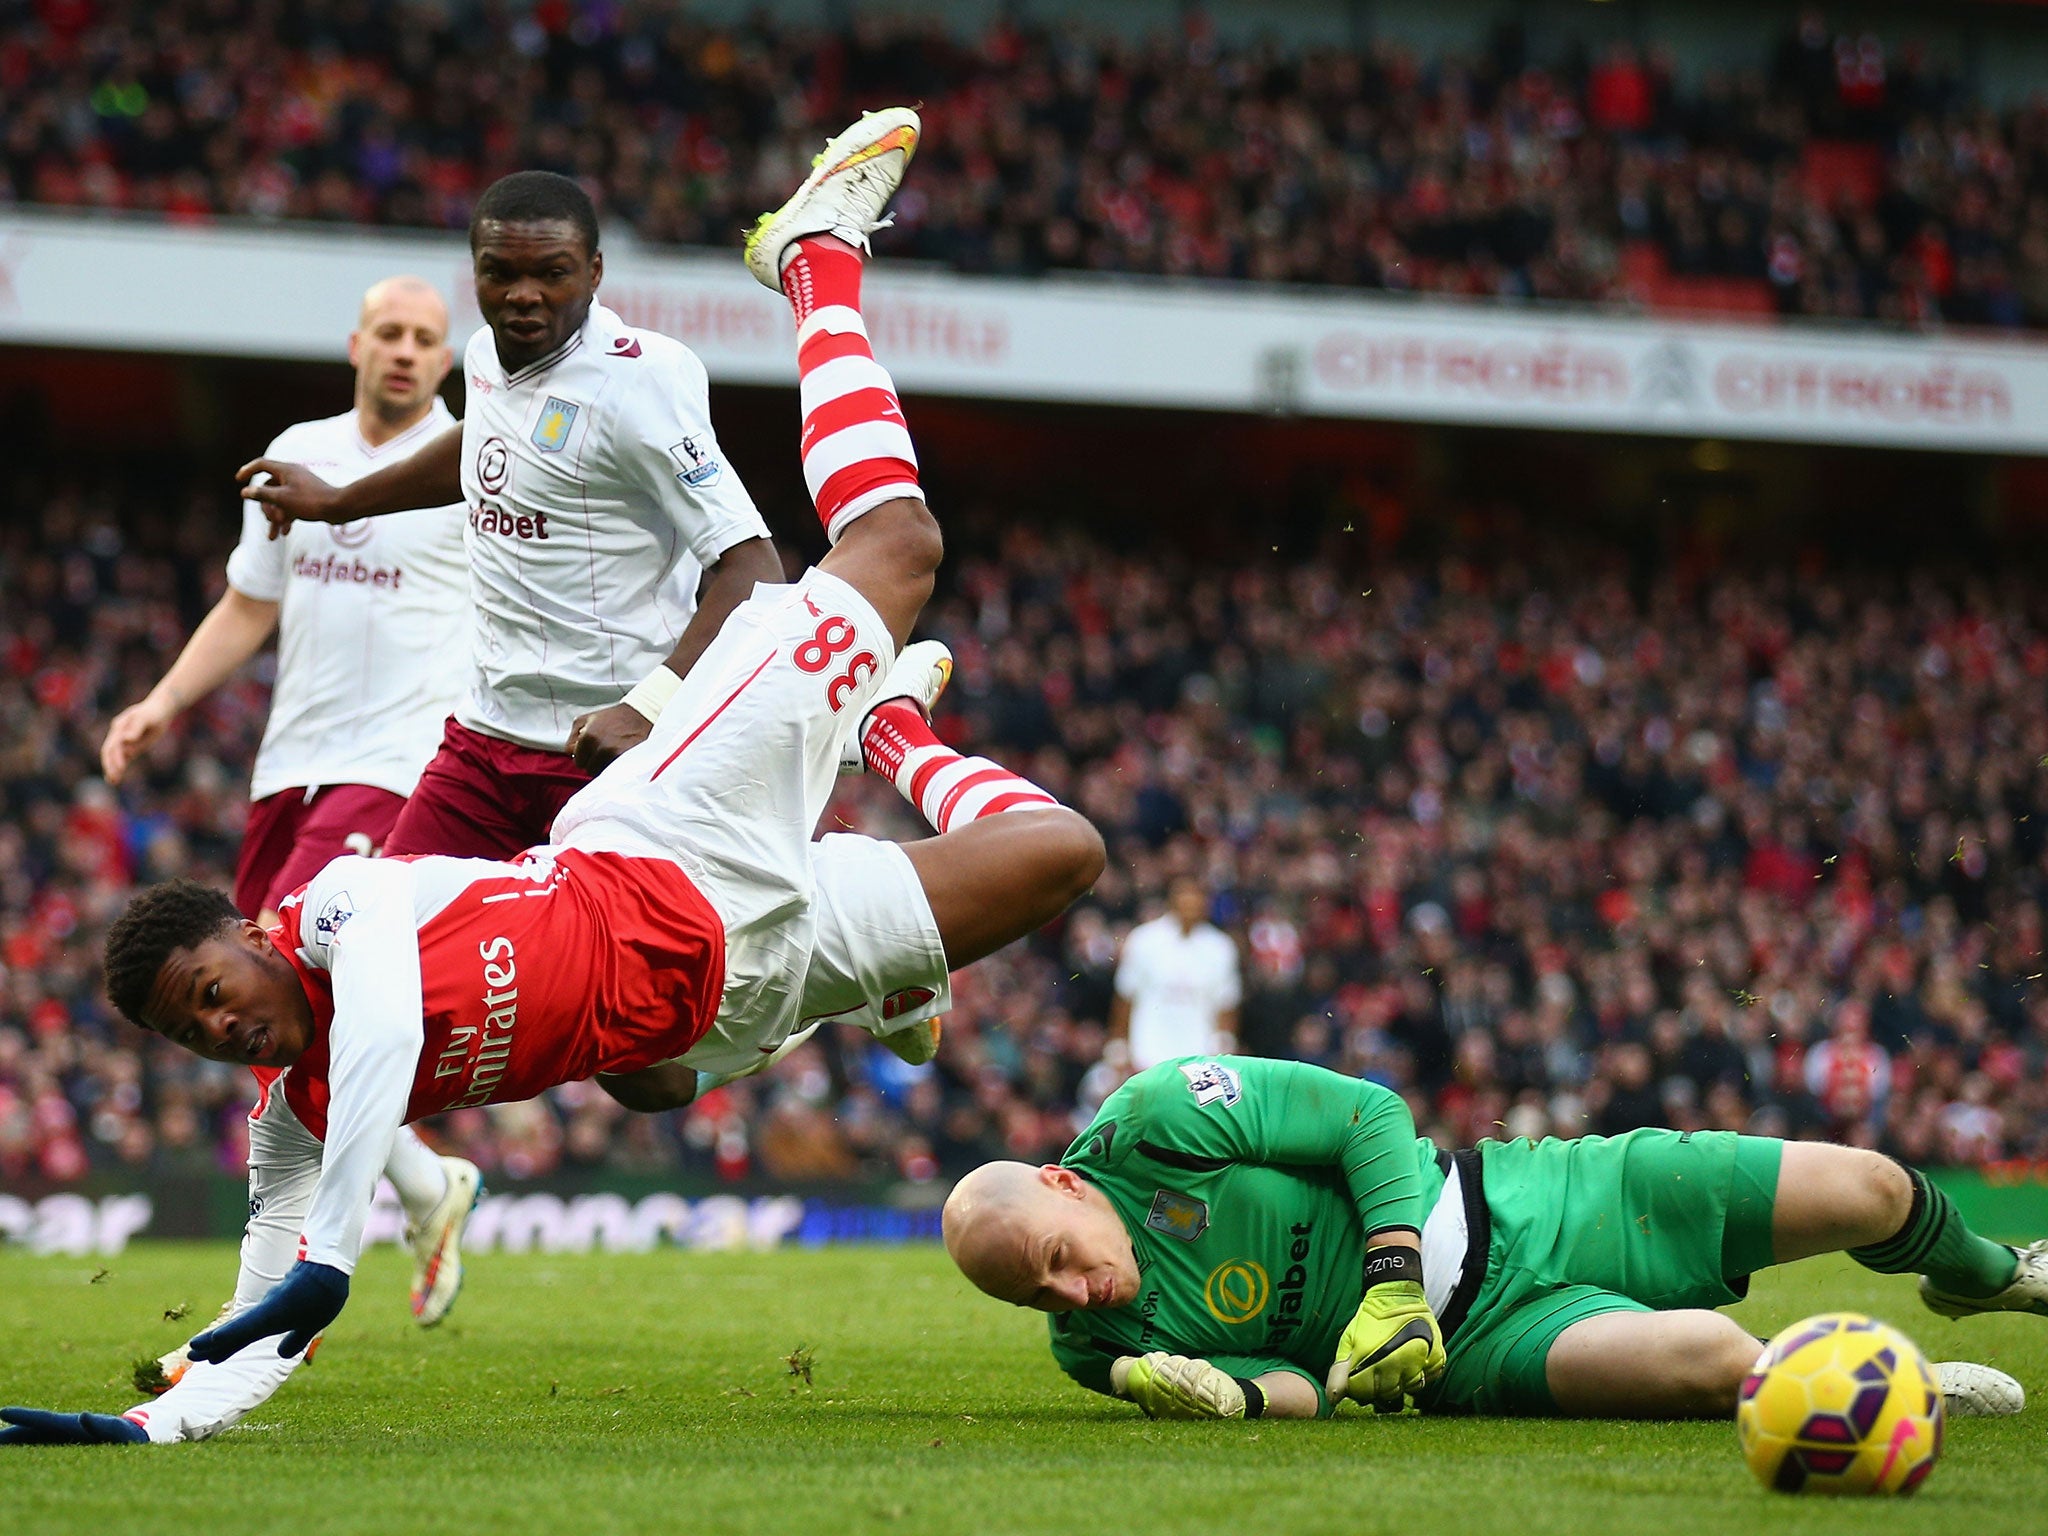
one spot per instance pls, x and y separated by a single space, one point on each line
856 449
897 742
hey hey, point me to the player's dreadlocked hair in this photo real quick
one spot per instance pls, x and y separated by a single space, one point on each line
536 197
179 914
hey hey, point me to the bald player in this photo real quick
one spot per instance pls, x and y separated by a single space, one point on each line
367 615
1236 1238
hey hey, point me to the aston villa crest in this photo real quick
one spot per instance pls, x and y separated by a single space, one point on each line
552 430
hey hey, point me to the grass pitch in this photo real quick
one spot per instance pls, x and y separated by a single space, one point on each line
655 1393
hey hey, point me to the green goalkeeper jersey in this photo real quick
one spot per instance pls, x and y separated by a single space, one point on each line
1249 1188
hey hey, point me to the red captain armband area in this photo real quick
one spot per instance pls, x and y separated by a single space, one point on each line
1392 1263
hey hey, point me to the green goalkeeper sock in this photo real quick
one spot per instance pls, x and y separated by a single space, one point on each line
1936 1243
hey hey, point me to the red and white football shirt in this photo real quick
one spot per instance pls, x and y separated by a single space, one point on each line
442 983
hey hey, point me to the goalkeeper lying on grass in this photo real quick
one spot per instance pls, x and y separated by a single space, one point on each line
1236 1238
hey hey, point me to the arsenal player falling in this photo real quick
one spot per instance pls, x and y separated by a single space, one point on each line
680 921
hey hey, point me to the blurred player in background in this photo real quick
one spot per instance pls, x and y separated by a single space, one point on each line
366 615
1233 1238
683 915
595 496
1177 983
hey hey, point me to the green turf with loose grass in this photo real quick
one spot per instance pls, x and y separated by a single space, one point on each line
651 1393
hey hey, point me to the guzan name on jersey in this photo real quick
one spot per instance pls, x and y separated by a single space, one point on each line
596 497
368 613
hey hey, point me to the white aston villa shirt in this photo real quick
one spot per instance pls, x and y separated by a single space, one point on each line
371 615
596 495
1178 984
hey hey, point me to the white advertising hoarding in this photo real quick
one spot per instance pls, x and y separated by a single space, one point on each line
135 286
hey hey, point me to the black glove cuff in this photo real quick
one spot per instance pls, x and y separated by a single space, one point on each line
1254 1397
1391 1263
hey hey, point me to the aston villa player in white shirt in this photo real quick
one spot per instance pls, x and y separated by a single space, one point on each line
595 493
1177 987
365 615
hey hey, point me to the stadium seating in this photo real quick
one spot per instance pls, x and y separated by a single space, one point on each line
1546 849
1844 176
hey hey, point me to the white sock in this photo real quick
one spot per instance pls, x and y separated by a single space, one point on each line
416 1173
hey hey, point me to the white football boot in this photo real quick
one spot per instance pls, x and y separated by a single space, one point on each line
171 1370
436 1243
850 185
2028 1291
1972 1391
920 675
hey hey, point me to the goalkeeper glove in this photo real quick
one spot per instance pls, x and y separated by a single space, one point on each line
1392 1347
307 1299
39 1426
1175 1387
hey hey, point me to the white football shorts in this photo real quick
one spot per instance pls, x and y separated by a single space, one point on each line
730 785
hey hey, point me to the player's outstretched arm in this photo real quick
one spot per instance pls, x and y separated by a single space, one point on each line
368 930
44 1426
309 1297
228 636
284 1168
369 945
290 493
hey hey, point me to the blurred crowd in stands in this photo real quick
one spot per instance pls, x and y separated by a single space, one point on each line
1548 849
1845 174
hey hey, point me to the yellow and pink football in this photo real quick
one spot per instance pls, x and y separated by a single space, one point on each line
1841 1403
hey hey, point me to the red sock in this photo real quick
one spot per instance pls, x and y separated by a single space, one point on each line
819 273
951 790
856 449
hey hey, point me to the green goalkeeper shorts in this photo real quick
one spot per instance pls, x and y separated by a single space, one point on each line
1648 1222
